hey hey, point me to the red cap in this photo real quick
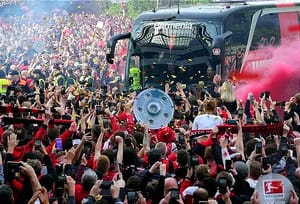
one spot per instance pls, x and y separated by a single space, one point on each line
166 134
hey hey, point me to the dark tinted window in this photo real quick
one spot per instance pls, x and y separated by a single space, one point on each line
274 29
267 31
239 24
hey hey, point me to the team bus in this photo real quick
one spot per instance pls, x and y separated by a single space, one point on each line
179 44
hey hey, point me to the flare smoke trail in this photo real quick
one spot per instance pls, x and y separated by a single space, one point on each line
36 9
281 76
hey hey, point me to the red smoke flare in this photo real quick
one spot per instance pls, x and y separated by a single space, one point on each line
281 77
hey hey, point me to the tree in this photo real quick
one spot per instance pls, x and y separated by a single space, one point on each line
114 10
135 7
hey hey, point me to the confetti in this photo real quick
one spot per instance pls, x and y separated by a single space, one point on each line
182 69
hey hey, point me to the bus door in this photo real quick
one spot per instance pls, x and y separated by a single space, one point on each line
269 49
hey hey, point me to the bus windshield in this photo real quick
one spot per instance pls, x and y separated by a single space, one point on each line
162 51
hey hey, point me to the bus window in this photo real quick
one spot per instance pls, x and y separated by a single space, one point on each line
298 13
157 75
171 52
267 32
239 24
271 30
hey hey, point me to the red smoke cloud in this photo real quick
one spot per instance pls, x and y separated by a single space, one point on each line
281 76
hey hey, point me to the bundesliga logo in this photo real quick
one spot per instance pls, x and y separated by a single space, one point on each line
273 188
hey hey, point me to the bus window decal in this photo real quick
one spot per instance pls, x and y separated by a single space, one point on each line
204 35
265 42
172 34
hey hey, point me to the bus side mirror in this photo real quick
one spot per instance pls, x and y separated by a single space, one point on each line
218 47
111 46
110 55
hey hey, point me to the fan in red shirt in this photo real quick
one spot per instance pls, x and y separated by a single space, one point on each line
82 189
19 151
170 165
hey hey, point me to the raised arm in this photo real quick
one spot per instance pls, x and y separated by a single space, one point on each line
120 142
146 143
29 171
257 113
99 145
239 144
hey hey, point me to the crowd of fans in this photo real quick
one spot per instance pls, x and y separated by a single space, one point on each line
69 45
68 132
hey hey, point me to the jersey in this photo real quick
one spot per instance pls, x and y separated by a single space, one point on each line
3 85
206 121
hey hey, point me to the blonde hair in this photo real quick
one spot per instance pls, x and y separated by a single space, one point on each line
227 92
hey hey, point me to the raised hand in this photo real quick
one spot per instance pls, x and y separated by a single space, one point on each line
12 142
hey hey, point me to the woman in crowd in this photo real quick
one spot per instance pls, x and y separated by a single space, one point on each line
209 119
228 98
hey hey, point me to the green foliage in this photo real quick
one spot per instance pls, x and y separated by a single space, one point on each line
114 10
135 7
193 2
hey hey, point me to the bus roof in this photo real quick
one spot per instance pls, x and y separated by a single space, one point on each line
215 10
